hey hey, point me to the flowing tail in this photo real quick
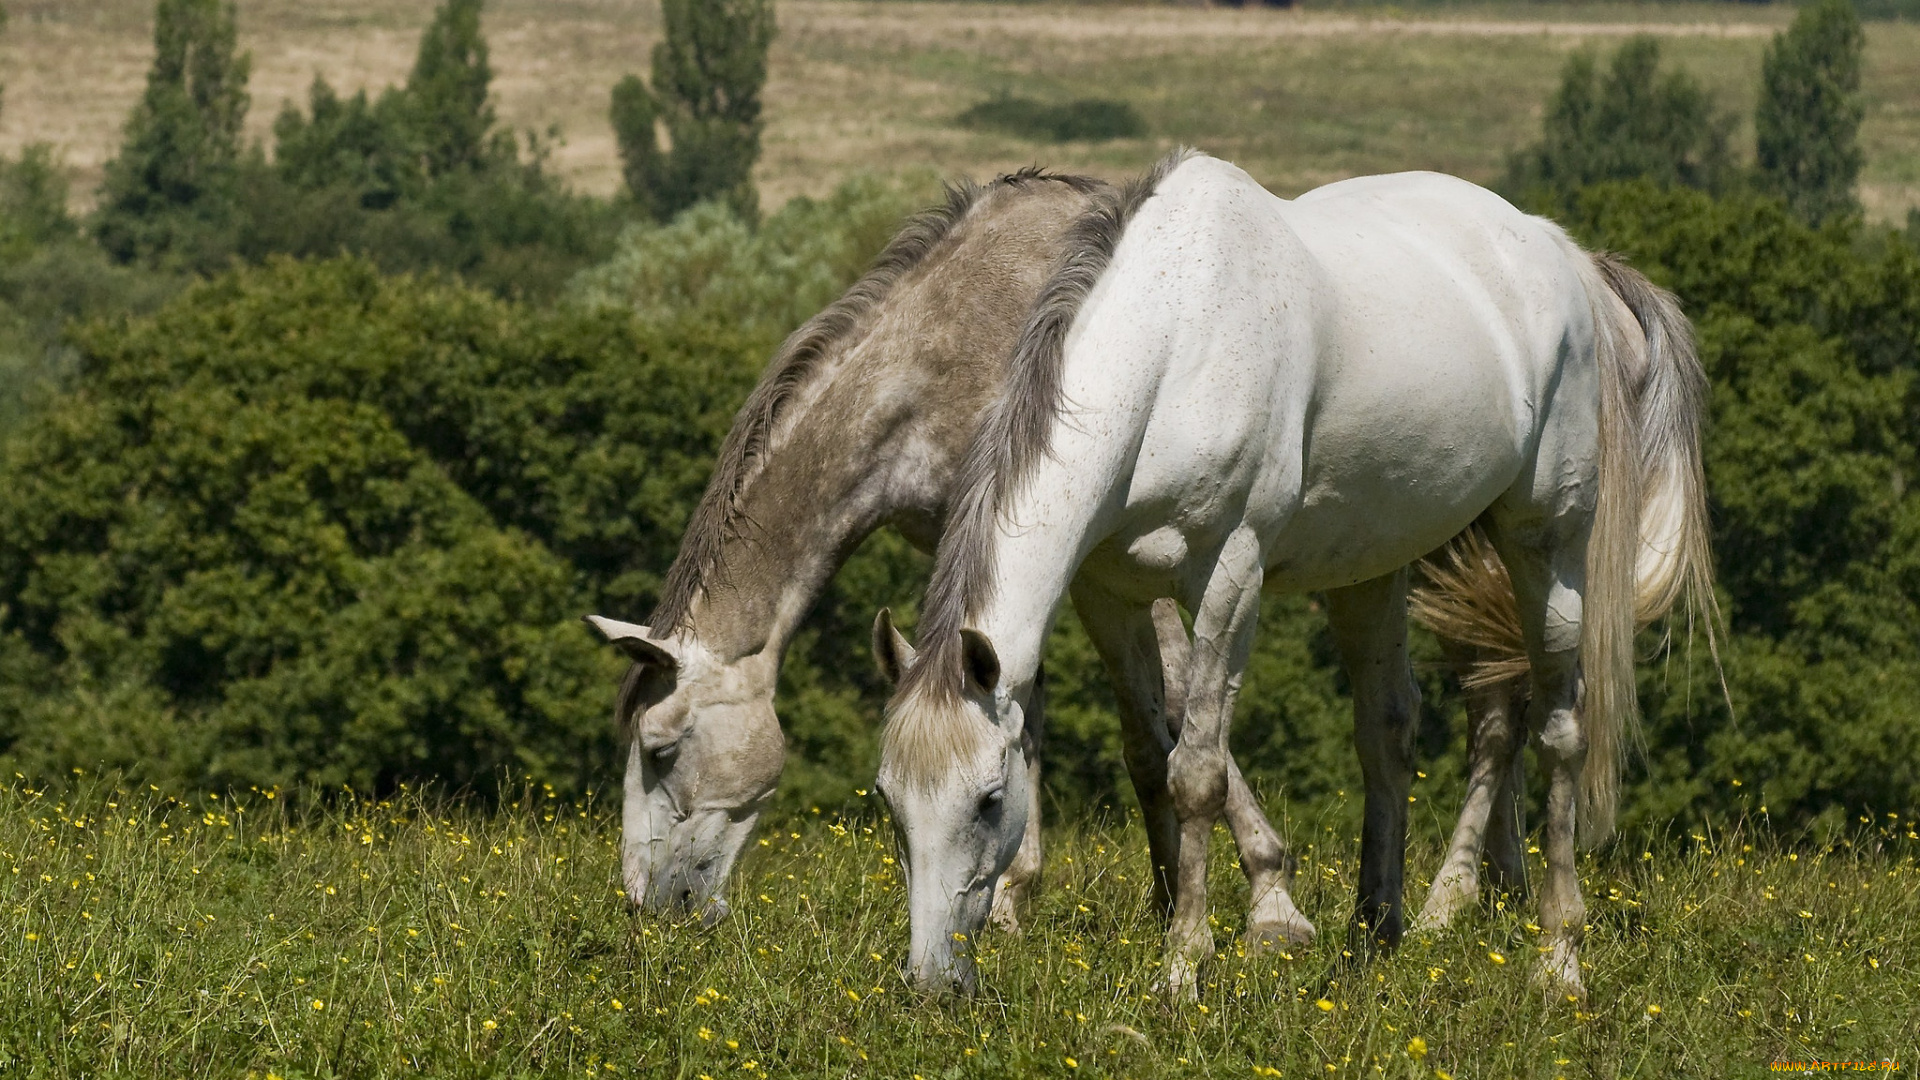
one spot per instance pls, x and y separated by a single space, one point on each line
1648 550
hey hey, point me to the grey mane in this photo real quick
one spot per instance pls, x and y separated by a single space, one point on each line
717 518
1012 436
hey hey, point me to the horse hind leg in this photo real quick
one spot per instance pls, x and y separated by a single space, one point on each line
1506 863
1549 578
1272 919
1486 821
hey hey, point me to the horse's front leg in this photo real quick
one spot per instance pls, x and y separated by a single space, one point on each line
1124 634
1022 877
1369 622
1272 918
1199 766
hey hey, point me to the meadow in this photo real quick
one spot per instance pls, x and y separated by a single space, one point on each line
1297 97
228 935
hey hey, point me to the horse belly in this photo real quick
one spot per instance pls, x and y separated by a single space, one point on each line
1404 448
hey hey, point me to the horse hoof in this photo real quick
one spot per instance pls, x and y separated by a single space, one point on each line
1559 974
1181 982
1447 899
1277 936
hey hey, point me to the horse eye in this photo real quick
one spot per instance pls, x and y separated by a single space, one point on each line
663 755
992 800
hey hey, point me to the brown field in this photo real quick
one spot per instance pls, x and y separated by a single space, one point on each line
1298 98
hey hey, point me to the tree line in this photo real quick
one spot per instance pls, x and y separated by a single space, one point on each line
317 519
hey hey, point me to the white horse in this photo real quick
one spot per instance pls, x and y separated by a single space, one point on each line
1227 392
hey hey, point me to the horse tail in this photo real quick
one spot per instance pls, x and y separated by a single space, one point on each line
1648 549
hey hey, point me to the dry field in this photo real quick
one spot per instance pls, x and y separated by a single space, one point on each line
1299 98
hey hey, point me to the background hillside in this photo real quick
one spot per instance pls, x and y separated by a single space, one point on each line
855 86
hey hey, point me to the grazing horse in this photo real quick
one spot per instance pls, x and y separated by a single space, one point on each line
860 421
1220 392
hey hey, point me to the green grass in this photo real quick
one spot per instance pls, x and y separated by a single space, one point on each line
155 936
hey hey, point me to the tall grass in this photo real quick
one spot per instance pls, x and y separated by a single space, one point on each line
149 934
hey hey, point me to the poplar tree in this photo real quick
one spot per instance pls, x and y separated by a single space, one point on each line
173 182
447 93
1632 122
1807 124
707 76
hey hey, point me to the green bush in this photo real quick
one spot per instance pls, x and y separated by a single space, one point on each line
231 554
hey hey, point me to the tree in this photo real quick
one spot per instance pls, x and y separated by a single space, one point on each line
1807 125
173 181
447 93
707 76
1634 123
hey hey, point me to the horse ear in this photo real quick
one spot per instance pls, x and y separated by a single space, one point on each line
890 647
637 642
978 660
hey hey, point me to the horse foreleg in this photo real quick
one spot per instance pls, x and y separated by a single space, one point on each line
1198 768
1369 622
1125 636
1022 876
1272 918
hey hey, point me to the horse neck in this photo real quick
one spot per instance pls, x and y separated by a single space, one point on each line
878 431
874 438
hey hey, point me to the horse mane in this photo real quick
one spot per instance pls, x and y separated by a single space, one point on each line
1013 435
716 519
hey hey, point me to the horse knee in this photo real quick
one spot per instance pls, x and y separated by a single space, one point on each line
1197 780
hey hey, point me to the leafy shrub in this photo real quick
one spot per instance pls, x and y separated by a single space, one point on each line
1089 119
231 554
